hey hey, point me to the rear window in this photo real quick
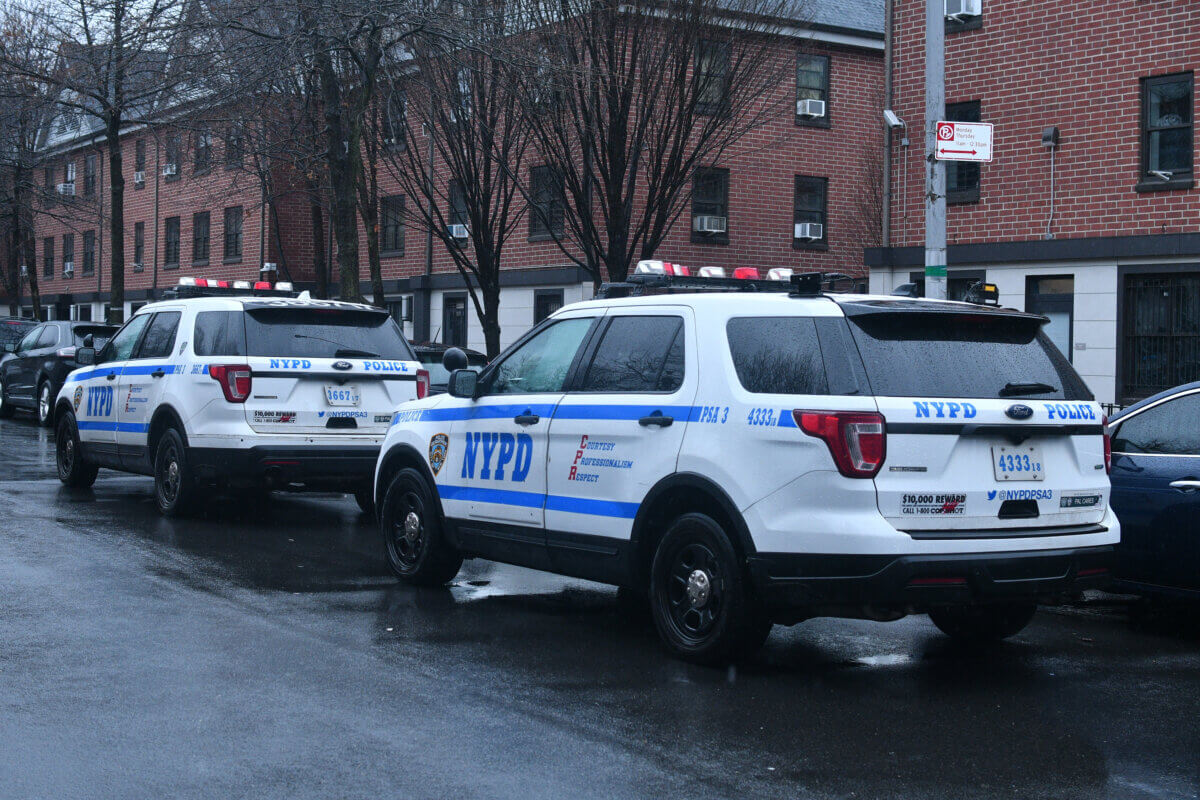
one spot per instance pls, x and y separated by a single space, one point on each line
13 331
100 334
438 375
777 355
959 355
324 333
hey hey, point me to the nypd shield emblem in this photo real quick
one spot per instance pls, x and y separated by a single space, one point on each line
78 397
437 451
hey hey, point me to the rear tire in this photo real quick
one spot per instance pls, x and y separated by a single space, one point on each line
701 602
365 497
6 408
983 623
174 483
416 547
73 471
45 405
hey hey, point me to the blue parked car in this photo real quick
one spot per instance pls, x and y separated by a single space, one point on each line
1156 493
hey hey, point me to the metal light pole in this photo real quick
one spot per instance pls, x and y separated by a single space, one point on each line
935 170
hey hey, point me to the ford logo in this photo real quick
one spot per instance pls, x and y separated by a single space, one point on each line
1013 412
348 365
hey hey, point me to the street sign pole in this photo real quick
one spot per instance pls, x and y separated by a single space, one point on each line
935 170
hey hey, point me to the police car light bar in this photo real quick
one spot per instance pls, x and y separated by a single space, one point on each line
210 287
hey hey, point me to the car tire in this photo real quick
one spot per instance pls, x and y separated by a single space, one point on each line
73 471
44 410
983 623
174 483
365 497
416 547
6 407
701 601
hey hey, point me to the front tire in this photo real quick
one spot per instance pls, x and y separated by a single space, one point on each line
73 471
417 550
983 623
174 483
45 405
701 602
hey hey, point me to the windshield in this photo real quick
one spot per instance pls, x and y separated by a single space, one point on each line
438 375
324 333
100 334
960 355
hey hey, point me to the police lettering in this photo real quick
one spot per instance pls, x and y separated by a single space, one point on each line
512 454
385 366
99 401
1070 411
290 363
944 409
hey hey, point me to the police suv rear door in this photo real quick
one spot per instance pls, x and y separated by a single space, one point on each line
989 428
324 367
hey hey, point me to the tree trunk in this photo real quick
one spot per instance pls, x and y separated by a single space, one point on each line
369 202
22 244
116 233
318 233
491 320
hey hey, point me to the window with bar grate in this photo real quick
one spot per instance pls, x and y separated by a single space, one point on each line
1160 335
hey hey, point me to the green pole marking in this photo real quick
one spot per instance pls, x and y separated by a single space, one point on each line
935 270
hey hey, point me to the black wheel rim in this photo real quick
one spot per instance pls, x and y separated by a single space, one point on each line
694 592
407 534
65 450
169 475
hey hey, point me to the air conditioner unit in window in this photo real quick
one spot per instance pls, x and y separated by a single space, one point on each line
67 189
459 231
809 231
138 266
709 224
958 9
139 176
406 309
169 170
68 269
810 108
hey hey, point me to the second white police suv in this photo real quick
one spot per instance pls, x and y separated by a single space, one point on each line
237 386
750 458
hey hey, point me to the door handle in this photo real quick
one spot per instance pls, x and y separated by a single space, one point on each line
112 376
158 373
526 419
657 418
1188 485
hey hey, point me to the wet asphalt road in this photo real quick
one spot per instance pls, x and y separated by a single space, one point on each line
264 652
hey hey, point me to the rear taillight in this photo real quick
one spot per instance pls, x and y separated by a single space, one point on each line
234 379
1107 446
422 383
857 440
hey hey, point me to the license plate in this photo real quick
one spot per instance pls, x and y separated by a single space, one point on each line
1018 463
342 395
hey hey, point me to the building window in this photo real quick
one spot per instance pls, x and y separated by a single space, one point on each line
171 165
89 176
810 231
171 243
454 320
89 252
463 101
962 177
69 173
235 146
139 164
812 84
200 230
68 252
1167 122
545 303
391 225
458 210
139 246
1053 296
202 151
233 233
546 210
712 77
964 22
48 257
710 206
394 119
1160 338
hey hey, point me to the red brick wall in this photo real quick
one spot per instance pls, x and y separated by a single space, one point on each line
1074 64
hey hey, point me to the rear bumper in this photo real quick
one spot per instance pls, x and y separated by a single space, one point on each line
912 583
316 467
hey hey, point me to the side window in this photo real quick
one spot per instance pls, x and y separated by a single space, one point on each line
638 354
219 333
49 337
30 340
777 355
160 336
1167 429
120 347
541 364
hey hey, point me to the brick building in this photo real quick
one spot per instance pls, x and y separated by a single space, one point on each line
1102 232
800 168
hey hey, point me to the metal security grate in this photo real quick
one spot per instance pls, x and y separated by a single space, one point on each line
1160 346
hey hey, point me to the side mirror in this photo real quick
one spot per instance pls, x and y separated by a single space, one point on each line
85 356
454 359
463 382
89 341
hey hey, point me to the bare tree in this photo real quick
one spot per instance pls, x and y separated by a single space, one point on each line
465 94
635 96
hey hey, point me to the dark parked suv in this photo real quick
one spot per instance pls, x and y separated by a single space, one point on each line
40 363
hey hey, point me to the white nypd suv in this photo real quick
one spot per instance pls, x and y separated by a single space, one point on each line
237 386
751 458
